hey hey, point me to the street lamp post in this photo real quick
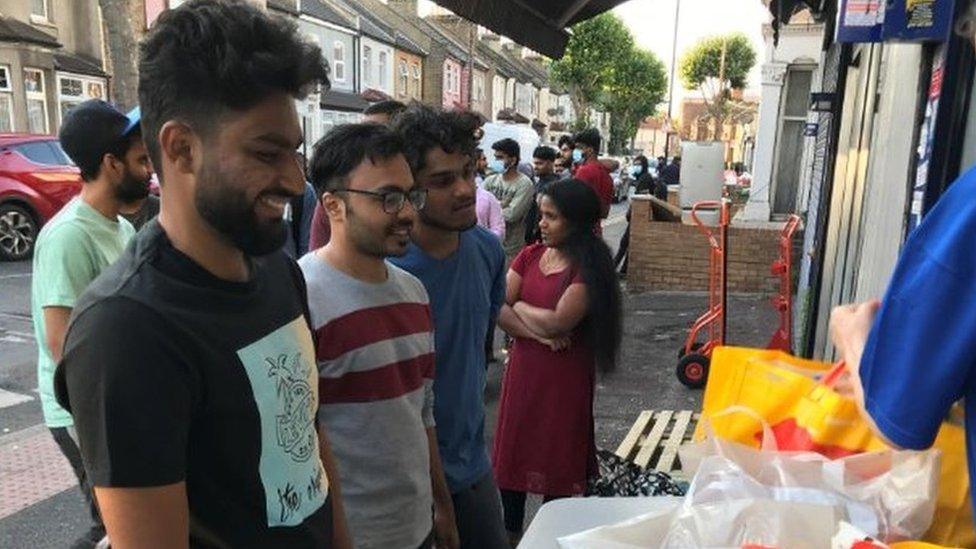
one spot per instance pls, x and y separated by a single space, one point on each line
674 58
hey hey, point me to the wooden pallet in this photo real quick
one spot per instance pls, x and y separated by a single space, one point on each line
654 439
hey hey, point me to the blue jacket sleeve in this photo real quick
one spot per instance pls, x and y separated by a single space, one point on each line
921 350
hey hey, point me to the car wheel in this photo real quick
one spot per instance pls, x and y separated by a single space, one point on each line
18 231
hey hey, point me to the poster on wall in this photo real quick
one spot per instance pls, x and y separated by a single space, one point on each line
861 21
926 138
918 20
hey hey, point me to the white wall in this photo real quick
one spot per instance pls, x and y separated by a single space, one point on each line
378 77
799 44
887 186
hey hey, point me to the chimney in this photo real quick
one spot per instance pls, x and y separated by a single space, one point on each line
406 7
456 25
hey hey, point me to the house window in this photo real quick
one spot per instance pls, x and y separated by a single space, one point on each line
339 61
36 101
6 101
793 107
39 10
382 66
72 90
416 80
479 87
367 65
404 77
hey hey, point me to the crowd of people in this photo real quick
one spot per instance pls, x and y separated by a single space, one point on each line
297 357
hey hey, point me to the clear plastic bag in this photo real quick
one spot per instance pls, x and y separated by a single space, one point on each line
743 496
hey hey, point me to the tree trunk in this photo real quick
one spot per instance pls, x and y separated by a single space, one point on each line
123 50
582 110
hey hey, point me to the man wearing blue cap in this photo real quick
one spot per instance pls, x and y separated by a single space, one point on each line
86 236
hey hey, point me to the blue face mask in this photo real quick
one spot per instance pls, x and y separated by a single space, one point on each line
496 165
577 155
635 170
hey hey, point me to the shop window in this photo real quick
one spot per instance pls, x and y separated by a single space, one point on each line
6 100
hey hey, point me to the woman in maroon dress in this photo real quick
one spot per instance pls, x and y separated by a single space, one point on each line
563 308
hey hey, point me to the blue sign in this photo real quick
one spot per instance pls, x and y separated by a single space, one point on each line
861 21
918 20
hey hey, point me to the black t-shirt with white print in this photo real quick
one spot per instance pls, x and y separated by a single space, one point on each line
172 374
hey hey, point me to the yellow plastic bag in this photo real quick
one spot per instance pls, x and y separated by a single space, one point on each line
806 415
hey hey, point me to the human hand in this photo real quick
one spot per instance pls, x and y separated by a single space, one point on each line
849 329
556 344
445 529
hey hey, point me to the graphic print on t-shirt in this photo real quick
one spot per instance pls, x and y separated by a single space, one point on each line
284 380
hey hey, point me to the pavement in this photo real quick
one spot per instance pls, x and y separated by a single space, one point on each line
41 507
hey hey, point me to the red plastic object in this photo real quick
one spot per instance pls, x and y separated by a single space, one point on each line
713 321
783 302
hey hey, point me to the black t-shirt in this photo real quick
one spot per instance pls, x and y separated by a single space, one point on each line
172 374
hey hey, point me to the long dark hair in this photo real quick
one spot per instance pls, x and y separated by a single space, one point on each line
603 325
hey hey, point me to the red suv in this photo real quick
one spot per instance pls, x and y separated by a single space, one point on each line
36 179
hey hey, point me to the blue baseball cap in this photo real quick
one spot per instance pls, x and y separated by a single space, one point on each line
93 128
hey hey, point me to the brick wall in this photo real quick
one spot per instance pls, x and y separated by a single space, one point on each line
674 256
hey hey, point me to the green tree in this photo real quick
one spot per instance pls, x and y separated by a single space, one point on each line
716 65
637 87
591 59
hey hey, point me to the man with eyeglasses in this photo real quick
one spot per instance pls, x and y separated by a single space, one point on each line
374 344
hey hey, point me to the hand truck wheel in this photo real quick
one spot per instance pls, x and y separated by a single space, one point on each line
693 370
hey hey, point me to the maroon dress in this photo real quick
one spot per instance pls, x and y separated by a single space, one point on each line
544 439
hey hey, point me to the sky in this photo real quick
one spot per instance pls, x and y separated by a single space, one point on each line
652 24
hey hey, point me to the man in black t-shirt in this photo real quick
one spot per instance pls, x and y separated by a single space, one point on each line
189 366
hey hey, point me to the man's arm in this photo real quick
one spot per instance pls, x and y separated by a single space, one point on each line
496 221
445 528
569 312
340 528
148 518
850 326
519 206
55 328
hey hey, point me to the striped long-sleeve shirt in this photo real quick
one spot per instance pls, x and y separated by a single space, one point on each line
374 344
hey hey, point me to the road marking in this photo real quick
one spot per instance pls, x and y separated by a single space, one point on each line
9 398
15 338
16 275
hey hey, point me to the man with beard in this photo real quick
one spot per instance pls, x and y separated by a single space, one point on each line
189 366
462 266
374 343
84 238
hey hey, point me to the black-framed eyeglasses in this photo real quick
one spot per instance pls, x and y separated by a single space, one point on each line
393 200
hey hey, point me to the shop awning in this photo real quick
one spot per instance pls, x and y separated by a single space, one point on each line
333 100
536 24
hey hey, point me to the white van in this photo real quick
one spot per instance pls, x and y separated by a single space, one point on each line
526 137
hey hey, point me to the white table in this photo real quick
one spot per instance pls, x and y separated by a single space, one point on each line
563 517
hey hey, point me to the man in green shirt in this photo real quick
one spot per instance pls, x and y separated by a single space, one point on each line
86 236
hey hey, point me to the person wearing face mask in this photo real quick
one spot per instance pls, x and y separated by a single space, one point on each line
515 192
591 171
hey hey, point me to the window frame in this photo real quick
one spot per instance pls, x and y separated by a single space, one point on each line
86 83
382 64
37 96
41 17
367 67
339 60
7 96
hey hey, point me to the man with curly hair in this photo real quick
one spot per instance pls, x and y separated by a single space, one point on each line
462 265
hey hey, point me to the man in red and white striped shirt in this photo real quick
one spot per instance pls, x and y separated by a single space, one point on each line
374 342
